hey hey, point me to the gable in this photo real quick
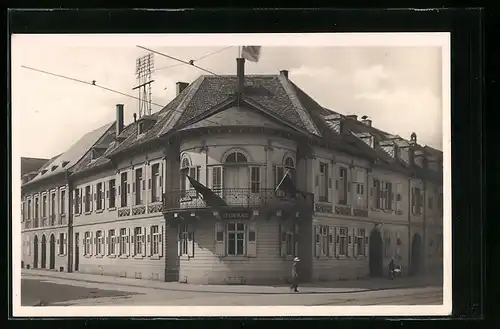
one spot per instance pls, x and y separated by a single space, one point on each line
242 116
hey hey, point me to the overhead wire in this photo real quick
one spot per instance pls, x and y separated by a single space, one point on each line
102 87
195 60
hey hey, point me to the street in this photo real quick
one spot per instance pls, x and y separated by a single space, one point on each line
55 291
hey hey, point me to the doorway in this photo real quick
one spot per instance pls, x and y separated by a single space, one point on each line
44 251
52 252
375 256
77 251
35 252
416 254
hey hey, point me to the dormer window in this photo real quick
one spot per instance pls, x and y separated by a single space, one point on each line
44 171
53 168
65 163
140 128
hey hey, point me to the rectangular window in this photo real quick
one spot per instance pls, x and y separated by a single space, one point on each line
29 209
343 186
388 196
416 201
236 239
123 241
112 193
98 243
87 243
398 196
323 182
342 241
99 205
184 239
61 243
360 189
44 206
194 172
139 240
361 241
124 190
111 242
63 202
87 198
138 186
77 201
155 240
37 208
324 240
53 204
155 179
255 179
217 179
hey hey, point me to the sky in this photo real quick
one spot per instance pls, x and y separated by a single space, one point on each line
399 87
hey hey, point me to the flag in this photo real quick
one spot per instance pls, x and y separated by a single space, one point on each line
287 186
211 199
251 53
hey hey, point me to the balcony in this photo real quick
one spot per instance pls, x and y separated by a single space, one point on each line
234 197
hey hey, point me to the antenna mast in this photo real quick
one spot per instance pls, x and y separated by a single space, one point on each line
143 70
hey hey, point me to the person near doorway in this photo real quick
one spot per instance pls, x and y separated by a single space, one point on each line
295 275
391 269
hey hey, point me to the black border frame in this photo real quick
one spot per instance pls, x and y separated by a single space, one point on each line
466 27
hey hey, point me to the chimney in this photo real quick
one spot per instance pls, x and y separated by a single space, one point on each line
240 73
284 73
181 86
352 116
119 119
135 117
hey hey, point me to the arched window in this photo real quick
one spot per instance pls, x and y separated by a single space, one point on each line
236 157
188 169
289 163
288 167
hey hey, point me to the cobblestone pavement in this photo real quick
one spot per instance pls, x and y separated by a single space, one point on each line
56 291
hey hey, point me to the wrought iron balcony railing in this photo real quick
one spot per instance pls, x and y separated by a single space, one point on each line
234 197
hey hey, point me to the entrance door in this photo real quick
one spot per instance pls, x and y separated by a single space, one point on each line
77 251
52 252
375 256
35 252
416 254
236 185
44 251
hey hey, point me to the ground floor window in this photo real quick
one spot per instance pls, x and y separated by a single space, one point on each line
342 241
236 239
87 243
138 240
111 242
123 241
361 242
99 243
155 240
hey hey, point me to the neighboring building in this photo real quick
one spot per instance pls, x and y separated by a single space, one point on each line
190 193
45 209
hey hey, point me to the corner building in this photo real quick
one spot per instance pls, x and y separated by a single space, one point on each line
354 197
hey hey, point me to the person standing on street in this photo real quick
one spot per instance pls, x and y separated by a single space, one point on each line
295 275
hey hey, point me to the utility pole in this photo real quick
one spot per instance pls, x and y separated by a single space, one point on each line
144 69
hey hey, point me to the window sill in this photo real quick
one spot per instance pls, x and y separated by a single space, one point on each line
76 215
186 257
88 212
111 256
112 209
138 257
155 257
123 257
87 256
99 211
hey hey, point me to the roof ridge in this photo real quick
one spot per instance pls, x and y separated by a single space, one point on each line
299 108
177 112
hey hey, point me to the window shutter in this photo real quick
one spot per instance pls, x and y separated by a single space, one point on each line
160 244
337 242
349 243
317 241
75 202
329 182
179 240
91 244
355 233
146 241
58 243
367 244
65 243
93 199
104 199
161 181
190 240
106 244
331 241
220 246
128 241
132 241
252 245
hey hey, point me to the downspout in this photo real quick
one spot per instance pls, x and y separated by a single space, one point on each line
70 222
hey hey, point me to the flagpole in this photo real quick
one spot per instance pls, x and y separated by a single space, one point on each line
281 182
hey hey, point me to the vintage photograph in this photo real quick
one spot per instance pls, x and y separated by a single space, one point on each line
229 173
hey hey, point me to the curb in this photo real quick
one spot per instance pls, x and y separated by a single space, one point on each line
354 290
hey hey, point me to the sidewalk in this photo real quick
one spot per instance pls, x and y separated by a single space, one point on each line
316 287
